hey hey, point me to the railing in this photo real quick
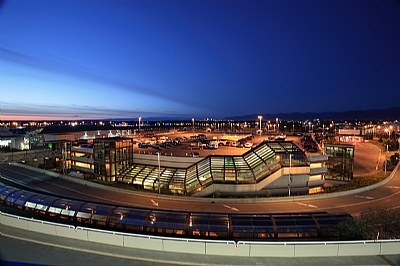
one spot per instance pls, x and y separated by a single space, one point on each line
82 159
317 158
82 169
83 150
207 247
319 170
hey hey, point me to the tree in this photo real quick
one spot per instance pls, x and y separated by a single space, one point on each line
382 221
394 159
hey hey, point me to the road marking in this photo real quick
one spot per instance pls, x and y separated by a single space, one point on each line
393 186
155 203
306 205
364 197
232 208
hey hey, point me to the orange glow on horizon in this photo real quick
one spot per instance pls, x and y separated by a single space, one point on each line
44 118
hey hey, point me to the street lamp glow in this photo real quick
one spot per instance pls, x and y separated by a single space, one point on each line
140 119
159 172
260 117
290 173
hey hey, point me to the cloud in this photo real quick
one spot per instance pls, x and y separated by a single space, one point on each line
27 111
60 66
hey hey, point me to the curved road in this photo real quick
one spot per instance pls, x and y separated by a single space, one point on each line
384 196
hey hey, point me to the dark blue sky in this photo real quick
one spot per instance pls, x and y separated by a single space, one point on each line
89 59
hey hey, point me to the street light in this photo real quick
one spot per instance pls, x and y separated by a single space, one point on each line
260 117
290 172
159 171
139 124
386 156
193 124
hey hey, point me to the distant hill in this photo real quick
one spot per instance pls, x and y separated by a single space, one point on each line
372 114
151 119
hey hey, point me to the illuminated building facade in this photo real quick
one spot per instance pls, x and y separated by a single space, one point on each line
276 168
111 156
340 161
102 159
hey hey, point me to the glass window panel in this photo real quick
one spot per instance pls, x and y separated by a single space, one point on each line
23 198
13 196
217 168
204 171
191 179
230 171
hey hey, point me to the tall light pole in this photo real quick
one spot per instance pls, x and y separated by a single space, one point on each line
140 119
159 172
386 157
290 172
193 125
260 117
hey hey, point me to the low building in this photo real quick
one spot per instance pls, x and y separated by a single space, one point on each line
276 168
270 168
102 159
340 161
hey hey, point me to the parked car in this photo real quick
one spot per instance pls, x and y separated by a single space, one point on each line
213 145
144 144
248 145
234 144
194 154
223 142
280 137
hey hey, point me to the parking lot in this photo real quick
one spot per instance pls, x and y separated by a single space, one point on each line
185 143
365 161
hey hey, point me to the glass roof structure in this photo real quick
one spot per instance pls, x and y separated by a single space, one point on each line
205 225
249 168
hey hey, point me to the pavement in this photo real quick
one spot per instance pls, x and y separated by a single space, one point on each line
384 196
22 246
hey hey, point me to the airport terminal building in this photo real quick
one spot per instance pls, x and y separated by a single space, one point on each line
270 168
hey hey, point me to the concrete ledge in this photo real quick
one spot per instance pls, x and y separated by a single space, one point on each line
81 234
228 248
183 246
104 237
272 250
40 227
149 243
208 247
388 248
14 222
316 250
356 249
65 231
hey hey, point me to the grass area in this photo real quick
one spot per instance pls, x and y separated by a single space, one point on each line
359 181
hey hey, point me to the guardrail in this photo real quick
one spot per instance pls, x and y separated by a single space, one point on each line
207 247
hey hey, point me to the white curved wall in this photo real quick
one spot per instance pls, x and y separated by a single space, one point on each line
207 247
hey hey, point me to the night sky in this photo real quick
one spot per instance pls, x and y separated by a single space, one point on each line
116 59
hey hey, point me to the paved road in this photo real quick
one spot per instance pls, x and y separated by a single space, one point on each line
28 247
385 196
367 159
